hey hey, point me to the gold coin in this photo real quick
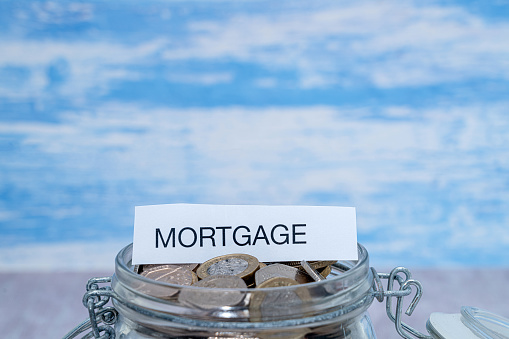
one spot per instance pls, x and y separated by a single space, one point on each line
325 271
241 265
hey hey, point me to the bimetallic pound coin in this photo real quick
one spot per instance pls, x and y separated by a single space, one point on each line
280 270
230 266
241 265
217 291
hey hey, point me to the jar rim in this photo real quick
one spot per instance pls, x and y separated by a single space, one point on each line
354 268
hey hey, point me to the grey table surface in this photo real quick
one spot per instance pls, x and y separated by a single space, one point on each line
48 305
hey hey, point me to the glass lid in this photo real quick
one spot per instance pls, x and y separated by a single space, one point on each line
485 324
471 323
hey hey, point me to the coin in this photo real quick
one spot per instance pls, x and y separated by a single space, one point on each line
284 282
325 271
218 291
173 274
316 264
277 303
280 270
150 267
241 265
221 281
277 282
313 273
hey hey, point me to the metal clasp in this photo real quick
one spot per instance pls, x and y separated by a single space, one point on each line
94 300
405 289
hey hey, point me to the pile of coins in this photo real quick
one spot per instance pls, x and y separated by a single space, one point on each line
228 281
224 270
234 271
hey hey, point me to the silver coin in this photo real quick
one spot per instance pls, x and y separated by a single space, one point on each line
280 304
230 266
172 274
277 303
283 271
217 291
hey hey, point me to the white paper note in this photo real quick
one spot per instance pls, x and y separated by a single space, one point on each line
194 233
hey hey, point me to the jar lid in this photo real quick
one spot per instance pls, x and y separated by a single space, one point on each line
471 323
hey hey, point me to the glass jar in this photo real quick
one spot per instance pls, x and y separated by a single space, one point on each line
332 308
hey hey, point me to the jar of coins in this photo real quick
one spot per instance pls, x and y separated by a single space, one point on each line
236 296
287 308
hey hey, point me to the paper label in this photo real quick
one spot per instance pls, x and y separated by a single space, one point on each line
191 233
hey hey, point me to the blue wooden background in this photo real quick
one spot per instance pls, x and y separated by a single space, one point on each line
398 108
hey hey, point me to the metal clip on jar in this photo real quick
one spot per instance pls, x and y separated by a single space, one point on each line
332 308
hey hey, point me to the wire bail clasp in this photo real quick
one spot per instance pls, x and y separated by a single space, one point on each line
94 300
405 289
